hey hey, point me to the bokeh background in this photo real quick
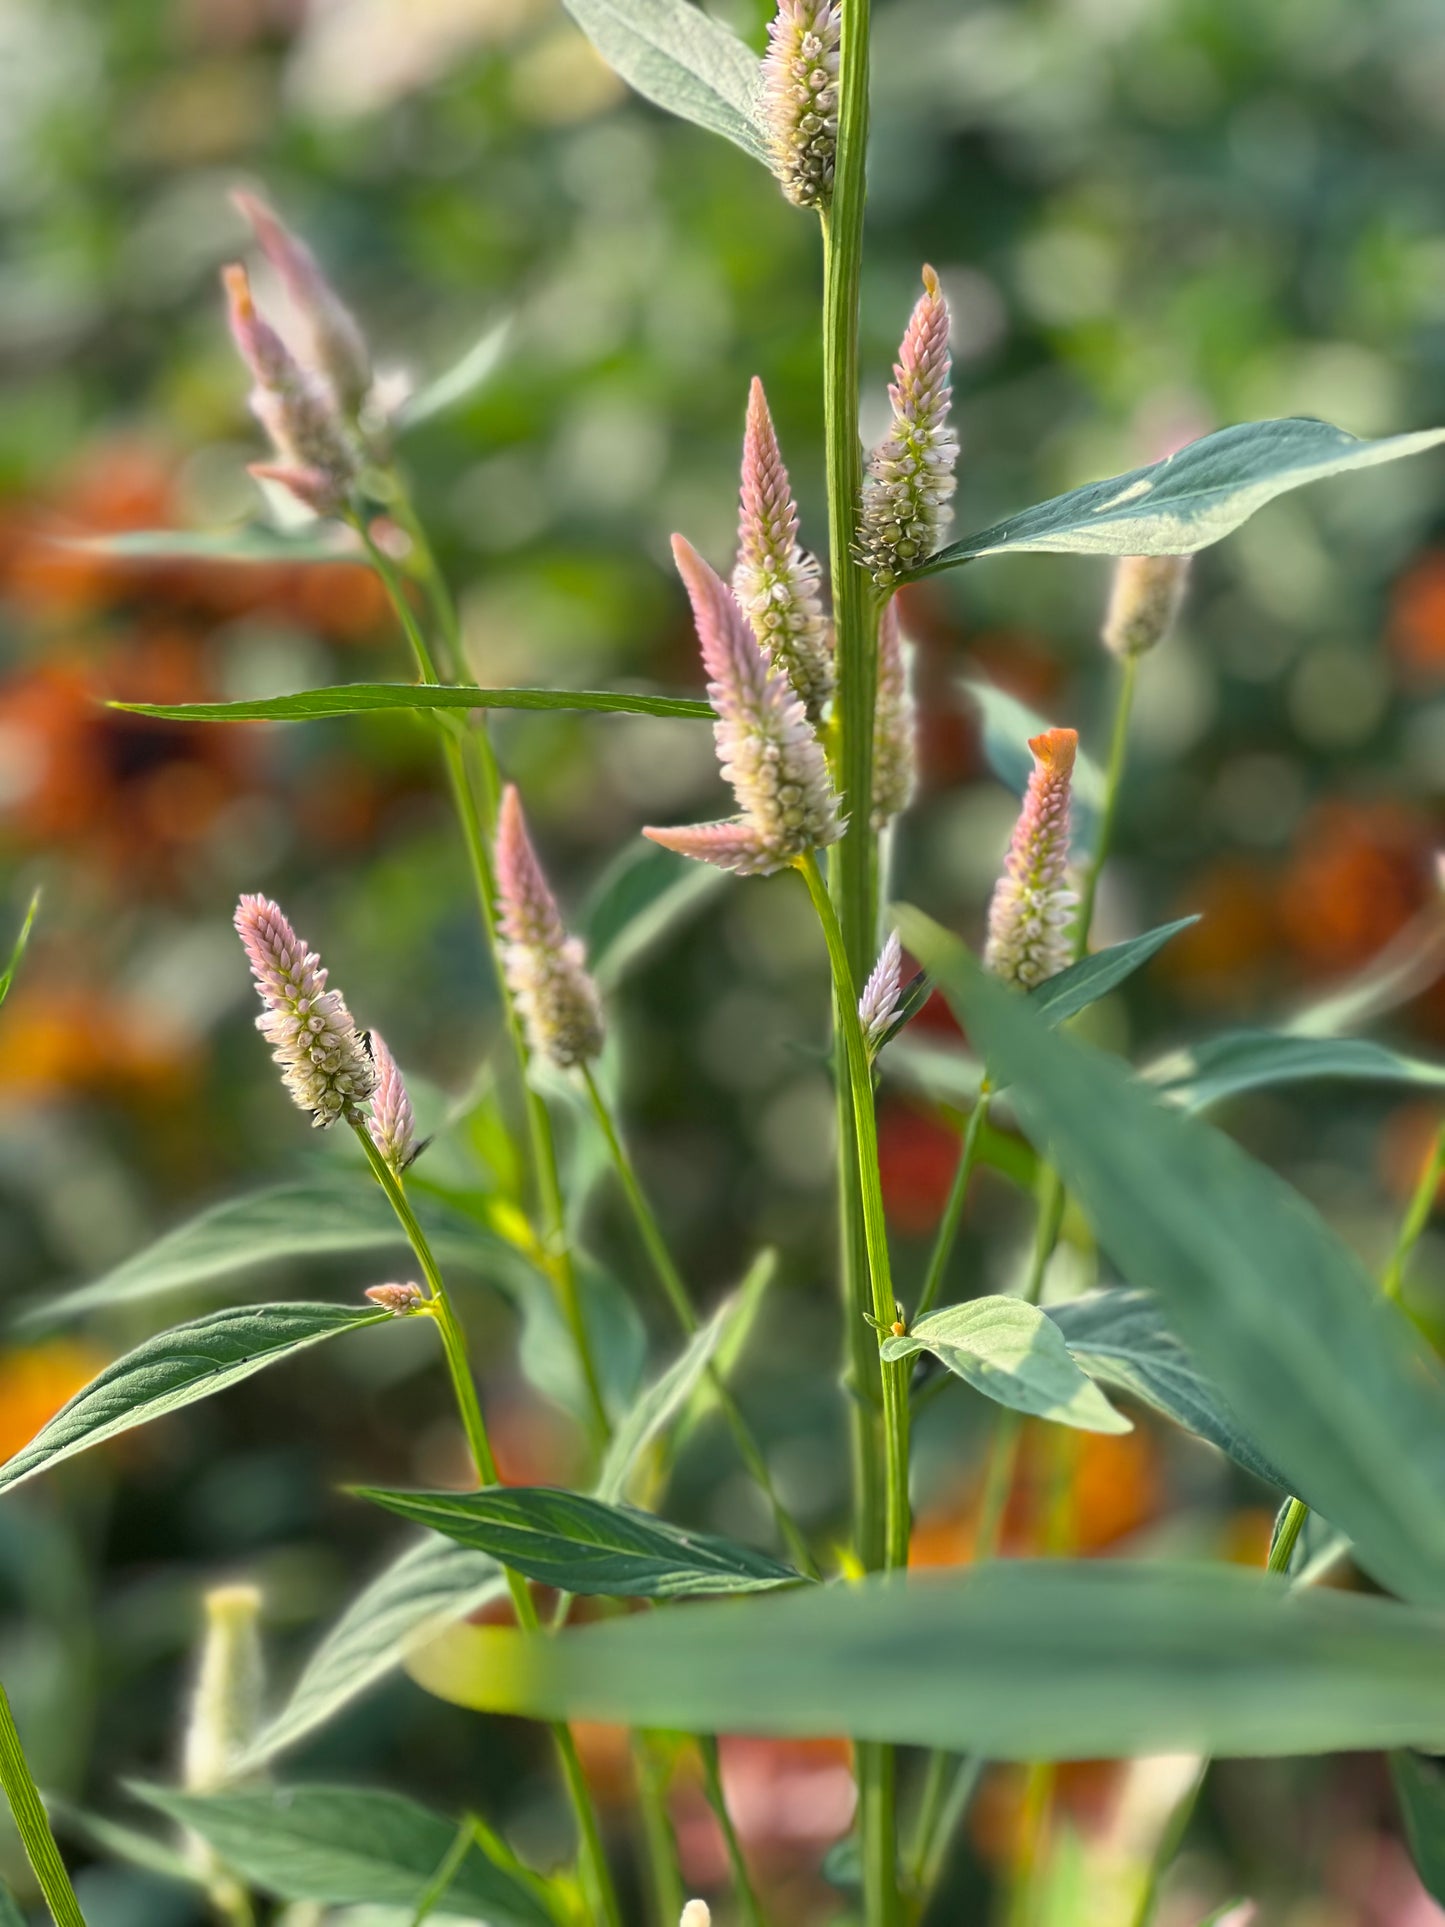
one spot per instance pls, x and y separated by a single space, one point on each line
1152 217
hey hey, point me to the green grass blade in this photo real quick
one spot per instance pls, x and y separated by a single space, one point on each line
7 976
33 1826
370 698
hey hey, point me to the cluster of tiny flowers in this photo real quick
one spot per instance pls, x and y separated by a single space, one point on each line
397 1299
895 752
878 1005
910 473
775 580
392 1123
324 1062
800 98
545 968
1032 907
768 749
1144 602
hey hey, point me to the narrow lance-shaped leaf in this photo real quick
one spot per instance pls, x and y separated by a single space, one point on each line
1092 977
466 377
582 1545
639 901
654 1410
177 1368
1420 1789
1010 1351
1251 1060
1190 499
679 58
1020 1660
254 542
7 975
367 698
1330 1381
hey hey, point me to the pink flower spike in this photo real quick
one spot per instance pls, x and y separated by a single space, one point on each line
545 968
776 581
731 845
800 98
323 1060
338 347
895 751
878 1005
397 1299
392 1123
1029 917
910 473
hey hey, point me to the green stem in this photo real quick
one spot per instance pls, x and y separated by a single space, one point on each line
32 1824
668 1893
717 1800
1113 783
680 1300
474 1425
1417 1216
953 1210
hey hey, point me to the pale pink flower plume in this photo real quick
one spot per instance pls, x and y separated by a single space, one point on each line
766 746
392 1123
910 482
397 1299
895 751
878 1005
337 346
1032 907
776 581
800 98
323 1061
1144 602
546 970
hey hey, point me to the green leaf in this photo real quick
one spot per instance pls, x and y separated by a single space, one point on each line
640 900
1120 1338
1018 1660
916 993
654 1409
457 384
580 1545
1251 1060
254 542
1011 1352
126 1844
319 1217
1330 1381
1188 500
747 1305
342 1844
679 58
1092 977
547 1355
1006 725
1420 1789
10 1914
176 1368
7 976
366 698
433 1584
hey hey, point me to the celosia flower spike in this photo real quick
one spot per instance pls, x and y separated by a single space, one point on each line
226 1704
296 407
767 748
392 1123
775 580
397 1299
545 968
800 98
696 1913
895 754
1032 907
910 473
1144 602
323 1060
878 1005
338 347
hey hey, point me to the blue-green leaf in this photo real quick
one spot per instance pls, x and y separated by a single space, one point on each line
1252 1060
466 377
654 1409
1092 977
679 58
640 900
253 542
1010 1351
1420 1788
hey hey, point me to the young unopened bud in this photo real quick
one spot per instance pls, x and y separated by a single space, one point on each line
226 1704
318 459
800 98
910 473
1032 907
392 1123
775 580
323 1060
397 1299
1144 602
337 346
878 1005
696 1913
545 968
767 747
895 752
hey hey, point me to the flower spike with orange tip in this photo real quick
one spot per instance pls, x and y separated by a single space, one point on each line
1032 907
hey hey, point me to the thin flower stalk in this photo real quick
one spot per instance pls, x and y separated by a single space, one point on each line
324 1063
895 724
1033 906
910 479
800 98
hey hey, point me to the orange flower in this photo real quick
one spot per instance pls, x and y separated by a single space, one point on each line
1417 625
35 1383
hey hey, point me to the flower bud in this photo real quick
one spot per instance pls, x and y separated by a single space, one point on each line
768 750
1032 907
800 98
545 968
1144 602
397 1299
392 1123
776 581
910 473
696 1913
895 753
226 1704
878 1005
338 347
323 1061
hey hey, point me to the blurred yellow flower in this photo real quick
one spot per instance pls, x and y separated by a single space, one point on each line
35 1383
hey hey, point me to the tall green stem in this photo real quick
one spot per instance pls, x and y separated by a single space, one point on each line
1417 1216
953 1211
474 1425
664 1870
737 1861
32 1824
